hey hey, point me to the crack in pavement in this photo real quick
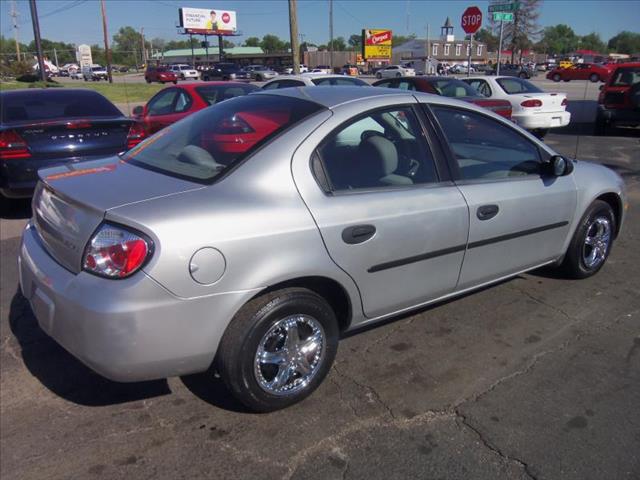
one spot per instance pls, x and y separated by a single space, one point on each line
374 393
542 302
493 448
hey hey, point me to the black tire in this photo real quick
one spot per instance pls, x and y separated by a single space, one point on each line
574 265
540 132
594 77
556 77
148 80
522 75
378 75
240 342
175 82
398 75
259 78
566 79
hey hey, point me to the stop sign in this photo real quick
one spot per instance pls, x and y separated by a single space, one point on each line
471 20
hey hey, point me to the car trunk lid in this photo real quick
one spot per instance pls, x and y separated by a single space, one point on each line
551 102
70 201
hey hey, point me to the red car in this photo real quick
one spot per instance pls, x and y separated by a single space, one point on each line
619 100
447 87
174 103
160 74
580 71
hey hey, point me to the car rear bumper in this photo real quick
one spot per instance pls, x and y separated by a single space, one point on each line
127 330
533 121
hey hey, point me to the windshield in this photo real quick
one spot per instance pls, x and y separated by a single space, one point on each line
204 145
626 76
453 88
514 86
215 94
354 82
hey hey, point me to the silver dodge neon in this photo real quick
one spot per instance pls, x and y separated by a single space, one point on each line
246 238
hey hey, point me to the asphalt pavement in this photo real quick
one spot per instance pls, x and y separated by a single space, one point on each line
535 378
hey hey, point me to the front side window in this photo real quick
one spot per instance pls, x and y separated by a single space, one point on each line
183 102
626 76
381 149
204 145
215 94
516 85
485 149
162 103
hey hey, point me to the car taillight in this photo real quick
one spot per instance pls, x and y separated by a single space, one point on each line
531 103
233 125
115 252
565 102
136 135
13 146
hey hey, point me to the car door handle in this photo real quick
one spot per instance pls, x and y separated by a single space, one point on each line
485 212
358 234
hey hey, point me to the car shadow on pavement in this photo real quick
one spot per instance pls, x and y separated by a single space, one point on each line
12 209
210 388
62 373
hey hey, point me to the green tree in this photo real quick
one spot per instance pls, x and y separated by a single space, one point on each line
355 42
339 45
558 40
593 42
625 42
252 42
127 44
519 34
485 36
271 43
397 40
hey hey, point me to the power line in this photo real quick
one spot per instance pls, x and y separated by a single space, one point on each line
63 8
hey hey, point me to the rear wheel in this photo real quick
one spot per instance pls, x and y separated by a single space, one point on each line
594 77
591 242
522 75
175 82
259 78
378 75
148 80
398 75
278 349
556 77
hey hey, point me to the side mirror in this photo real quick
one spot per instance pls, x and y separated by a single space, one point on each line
560 166
138 111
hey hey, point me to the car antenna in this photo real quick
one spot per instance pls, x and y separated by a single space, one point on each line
584 99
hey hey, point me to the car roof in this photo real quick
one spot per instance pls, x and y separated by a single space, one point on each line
195 84
332 96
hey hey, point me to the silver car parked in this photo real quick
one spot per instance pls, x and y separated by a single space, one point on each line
247 237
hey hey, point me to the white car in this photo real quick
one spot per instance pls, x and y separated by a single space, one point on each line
461 69
184 72
532 108
393 71
307 80
289 70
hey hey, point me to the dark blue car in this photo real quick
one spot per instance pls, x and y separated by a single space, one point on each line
44 127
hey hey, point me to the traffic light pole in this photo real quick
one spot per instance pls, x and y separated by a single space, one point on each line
36 37
499 48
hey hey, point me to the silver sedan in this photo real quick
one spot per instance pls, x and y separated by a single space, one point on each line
246 238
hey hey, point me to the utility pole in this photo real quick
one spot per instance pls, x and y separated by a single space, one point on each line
55 57
144 47
36 36
14 15
499 48
331 34
107 51
193 60
293 31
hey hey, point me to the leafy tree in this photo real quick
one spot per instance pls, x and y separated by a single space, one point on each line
252 42
625 42
339 45
558 39
98 55
355 42
518 35
485 36
271 43
126 43
397 40
593 42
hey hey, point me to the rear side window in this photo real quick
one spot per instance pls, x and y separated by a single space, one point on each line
340 81
204 145
453 88
53 104
513 86
215 94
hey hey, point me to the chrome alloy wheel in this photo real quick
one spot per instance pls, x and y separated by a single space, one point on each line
596 242
289 354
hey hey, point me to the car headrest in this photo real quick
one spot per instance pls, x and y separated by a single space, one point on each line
378 156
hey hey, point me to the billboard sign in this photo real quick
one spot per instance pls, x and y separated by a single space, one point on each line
83 56
208 21
376 44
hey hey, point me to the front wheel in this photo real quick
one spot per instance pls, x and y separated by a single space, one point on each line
278 349
175 82
594 77
378 75
592 241
523 75
398 75
556 77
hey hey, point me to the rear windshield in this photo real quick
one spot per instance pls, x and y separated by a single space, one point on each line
204 145
53 104
353 82
625 76
218 93
453 88
514 86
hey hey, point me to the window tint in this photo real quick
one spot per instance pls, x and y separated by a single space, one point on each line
481 86
51 104
453 88
204 145
290 83
162 103
484 148
183 102
383 148
215 94
271 86
517 85
406 85
339 81
626 76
